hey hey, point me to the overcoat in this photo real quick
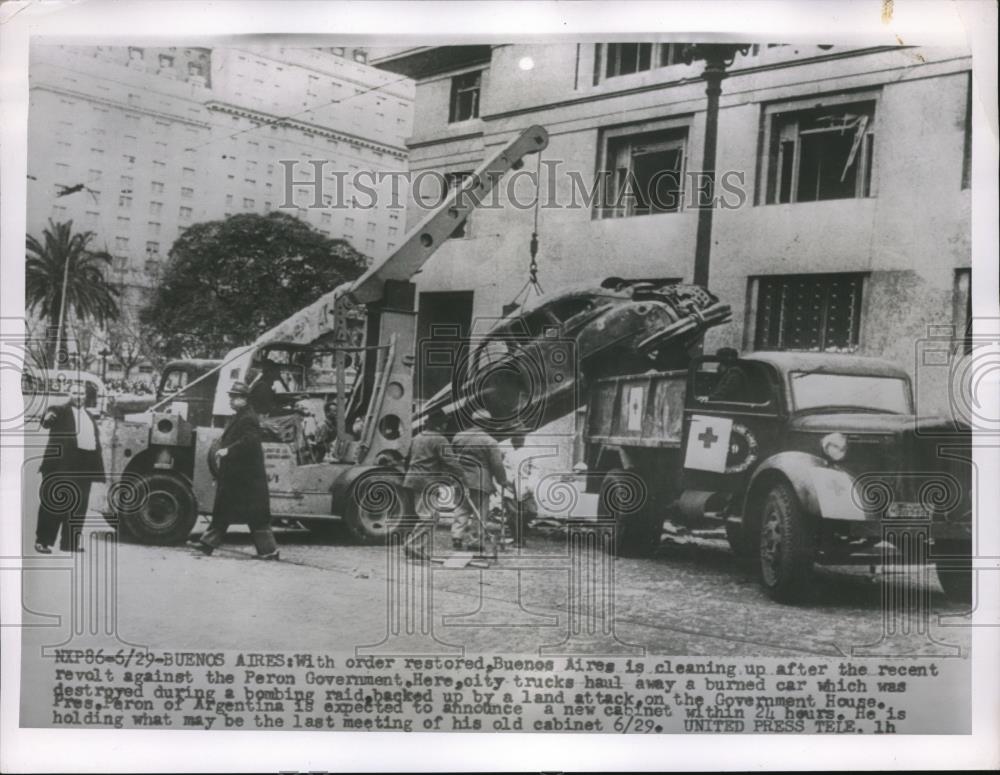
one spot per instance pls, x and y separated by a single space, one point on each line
62 454
241 494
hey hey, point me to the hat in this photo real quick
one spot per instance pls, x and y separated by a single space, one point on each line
239 389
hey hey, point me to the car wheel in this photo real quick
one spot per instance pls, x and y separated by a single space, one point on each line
376 510
787 551
636 530
164 514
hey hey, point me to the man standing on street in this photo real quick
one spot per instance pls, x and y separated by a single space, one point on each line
479 462
241 492
431 466
71 464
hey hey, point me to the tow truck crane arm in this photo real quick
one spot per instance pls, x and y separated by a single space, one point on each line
320 318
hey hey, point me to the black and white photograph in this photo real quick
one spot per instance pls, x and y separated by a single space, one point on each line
491 369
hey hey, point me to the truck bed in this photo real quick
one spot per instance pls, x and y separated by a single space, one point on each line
638 410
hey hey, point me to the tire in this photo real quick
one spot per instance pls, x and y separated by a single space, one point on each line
623 499
787 546
377 508
165 514
956 583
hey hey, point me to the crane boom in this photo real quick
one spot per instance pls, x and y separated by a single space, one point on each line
320 317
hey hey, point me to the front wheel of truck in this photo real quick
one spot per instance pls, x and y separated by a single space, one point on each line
377 509
623 500
787 548
164 512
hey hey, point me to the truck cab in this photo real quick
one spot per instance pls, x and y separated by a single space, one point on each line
804 458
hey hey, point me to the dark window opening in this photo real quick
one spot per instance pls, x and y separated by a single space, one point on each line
465 97
967 144
644 173
627 58
815 313
821 153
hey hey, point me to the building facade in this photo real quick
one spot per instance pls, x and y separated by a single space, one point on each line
843 175
844 220
163 138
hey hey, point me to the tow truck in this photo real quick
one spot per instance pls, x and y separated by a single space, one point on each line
161 462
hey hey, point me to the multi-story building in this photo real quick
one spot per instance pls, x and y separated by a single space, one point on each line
845 224
166 137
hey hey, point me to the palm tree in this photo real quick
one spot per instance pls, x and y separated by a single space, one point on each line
62 274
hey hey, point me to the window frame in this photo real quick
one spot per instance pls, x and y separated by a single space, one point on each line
753 327
679 125
770 161
457 91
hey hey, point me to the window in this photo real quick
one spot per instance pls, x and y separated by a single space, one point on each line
820 153
156 187
465 97
121 243
123 223
393 231
369 244
187 173
126 183
813 312
153 227
125 202
229 200
370 227
92 216
643 172
152 266
393 216
187 193
348 223
166 61
93 176
153 248
185 213
62 171
129 142
325 218
155 208
58 213
248 204
128 160
614 59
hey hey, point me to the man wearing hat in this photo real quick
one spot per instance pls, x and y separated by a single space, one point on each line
478 462
241 493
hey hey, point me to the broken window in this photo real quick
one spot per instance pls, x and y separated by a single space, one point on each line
824 152
811 312
627 58
465 97
644 173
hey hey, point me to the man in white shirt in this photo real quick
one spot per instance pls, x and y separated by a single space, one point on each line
71 464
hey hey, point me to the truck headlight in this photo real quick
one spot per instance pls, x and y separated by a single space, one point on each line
835 446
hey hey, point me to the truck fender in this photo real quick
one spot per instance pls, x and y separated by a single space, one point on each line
340 488
793 467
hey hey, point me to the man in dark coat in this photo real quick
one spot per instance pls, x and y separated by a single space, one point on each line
71 464
241 492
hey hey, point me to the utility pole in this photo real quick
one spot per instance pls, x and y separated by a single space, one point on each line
717 57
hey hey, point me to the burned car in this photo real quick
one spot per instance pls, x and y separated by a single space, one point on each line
534 366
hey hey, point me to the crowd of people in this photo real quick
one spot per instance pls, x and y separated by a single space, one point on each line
122 386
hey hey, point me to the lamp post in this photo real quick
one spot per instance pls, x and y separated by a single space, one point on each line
104 353
717 57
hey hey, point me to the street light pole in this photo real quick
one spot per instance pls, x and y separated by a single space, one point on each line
717 57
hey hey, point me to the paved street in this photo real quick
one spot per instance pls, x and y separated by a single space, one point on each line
331 595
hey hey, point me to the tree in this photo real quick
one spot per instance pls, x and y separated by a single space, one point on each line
226 282
63 255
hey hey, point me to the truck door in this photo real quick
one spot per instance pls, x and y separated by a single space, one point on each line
731 422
